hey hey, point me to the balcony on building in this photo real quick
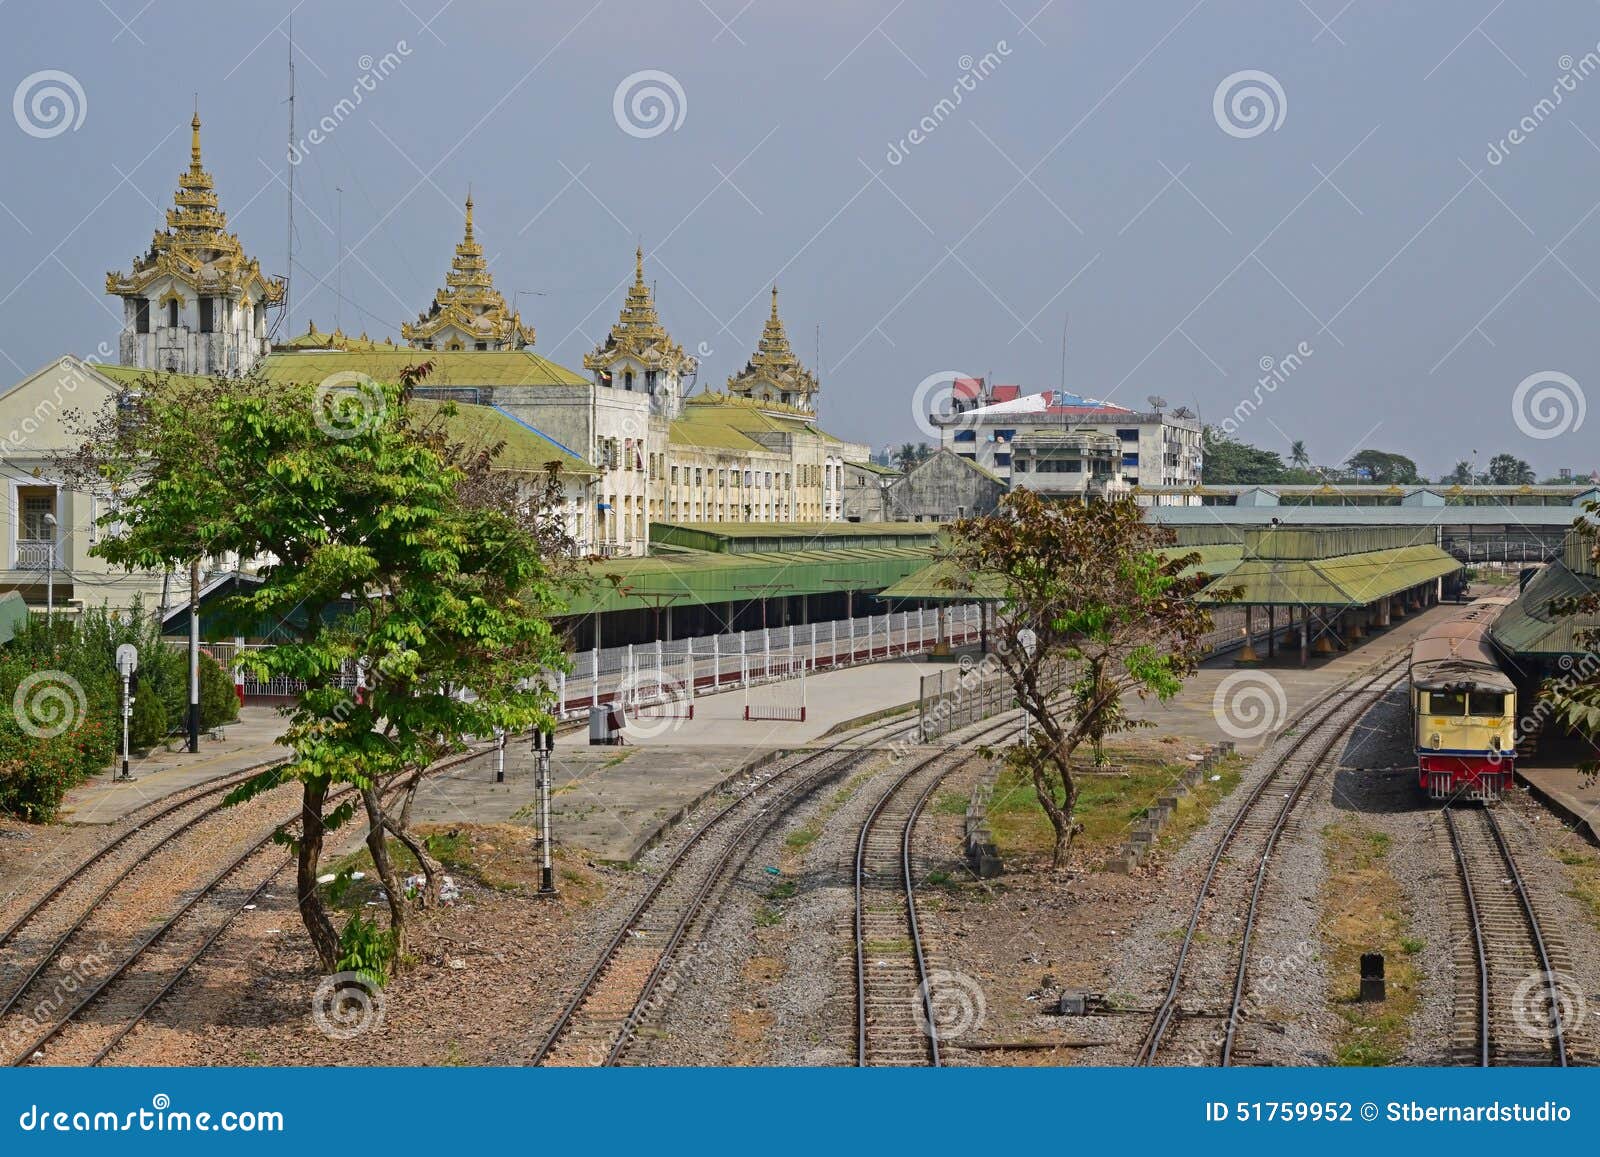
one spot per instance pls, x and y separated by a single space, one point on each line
1085 465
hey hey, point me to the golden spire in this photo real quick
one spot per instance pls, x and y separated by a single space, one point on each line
774 373
638 333
469 304
196 247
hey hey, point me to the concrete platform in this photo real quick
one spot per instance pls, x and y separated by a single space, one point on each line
1568 792
251 740
1194 713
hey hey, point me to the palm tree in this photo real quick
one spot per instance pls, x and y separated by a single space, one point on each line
1298 456
909 454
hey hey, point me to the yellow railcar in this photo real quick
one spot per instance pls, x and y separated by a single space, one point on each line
1463 708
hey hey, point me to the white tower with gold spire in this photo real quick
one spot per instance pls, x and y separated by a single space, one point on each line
774 374
194 303
639 354
469 313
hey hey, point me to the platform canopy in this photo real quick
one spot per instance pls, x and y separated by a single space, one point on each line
703 578
1530 626
947 581
1350 580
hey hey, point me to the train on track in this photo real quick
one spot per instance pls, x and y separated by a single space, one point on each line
1463 708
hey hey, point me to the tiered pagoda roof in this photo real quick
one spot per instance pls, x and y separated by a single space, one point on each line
639 334
470 303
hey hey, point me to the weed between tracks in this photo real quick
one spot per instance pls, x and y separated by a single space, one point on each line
1363 910
1107 807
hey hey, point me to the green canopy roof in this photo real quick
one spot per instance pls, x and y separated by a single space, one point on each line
696 578
948 580
1350 580
1528 626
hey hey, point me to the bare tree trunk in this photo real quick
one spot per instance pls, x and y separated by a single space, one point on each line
431 867
379 848
312 914
410 791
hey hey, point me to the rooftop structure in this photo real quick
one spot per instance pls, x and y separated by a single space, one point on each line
774 373
193 302
469 313
639 351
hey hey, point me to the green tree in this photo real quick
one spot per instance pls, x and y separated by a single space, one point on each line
1509 470
1380 466
1460 474
911 453
353 501
1299 456
1573 696
1093 612
147 722
1231 462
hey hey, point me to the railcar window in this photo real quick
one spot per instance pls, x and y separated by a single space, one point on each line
1486 703
1447 703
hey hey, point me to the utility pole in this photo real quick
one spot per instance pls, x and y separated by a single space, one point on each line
50 570
194 655
288 271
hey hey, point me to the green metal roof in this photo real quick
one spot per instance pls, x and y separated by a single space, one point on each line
450 367
947 580
1528 627
763 537
702 579
524 448
1351 580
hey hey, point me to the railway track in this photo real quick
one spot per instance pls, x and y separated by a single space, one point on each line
631 978
1513 1011
1212 969
145 972
897 995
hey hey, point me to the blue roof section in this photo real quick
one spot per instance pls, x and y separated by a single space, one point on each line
526 426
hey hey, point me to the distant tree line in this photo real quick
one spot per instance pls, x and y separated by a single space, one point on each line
1229 461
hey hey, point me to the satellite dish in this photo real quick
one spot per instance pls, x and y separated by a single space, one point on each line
127 659
1157 402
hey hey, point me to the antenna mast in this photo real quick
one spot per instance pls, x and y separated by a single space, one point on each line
288 272
1065 318
338 264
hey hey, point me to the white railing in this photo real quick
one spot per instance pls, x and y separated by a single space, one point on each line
33 553
641 674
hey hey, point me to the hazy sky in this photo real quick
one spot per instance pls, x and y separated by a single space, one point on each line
1091 170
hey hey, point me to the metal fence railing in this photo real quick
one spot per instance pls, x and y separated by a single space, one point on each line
644 674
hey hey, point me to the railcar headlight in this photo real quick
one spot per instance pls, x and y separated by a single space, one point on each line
1433 741
1495 743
